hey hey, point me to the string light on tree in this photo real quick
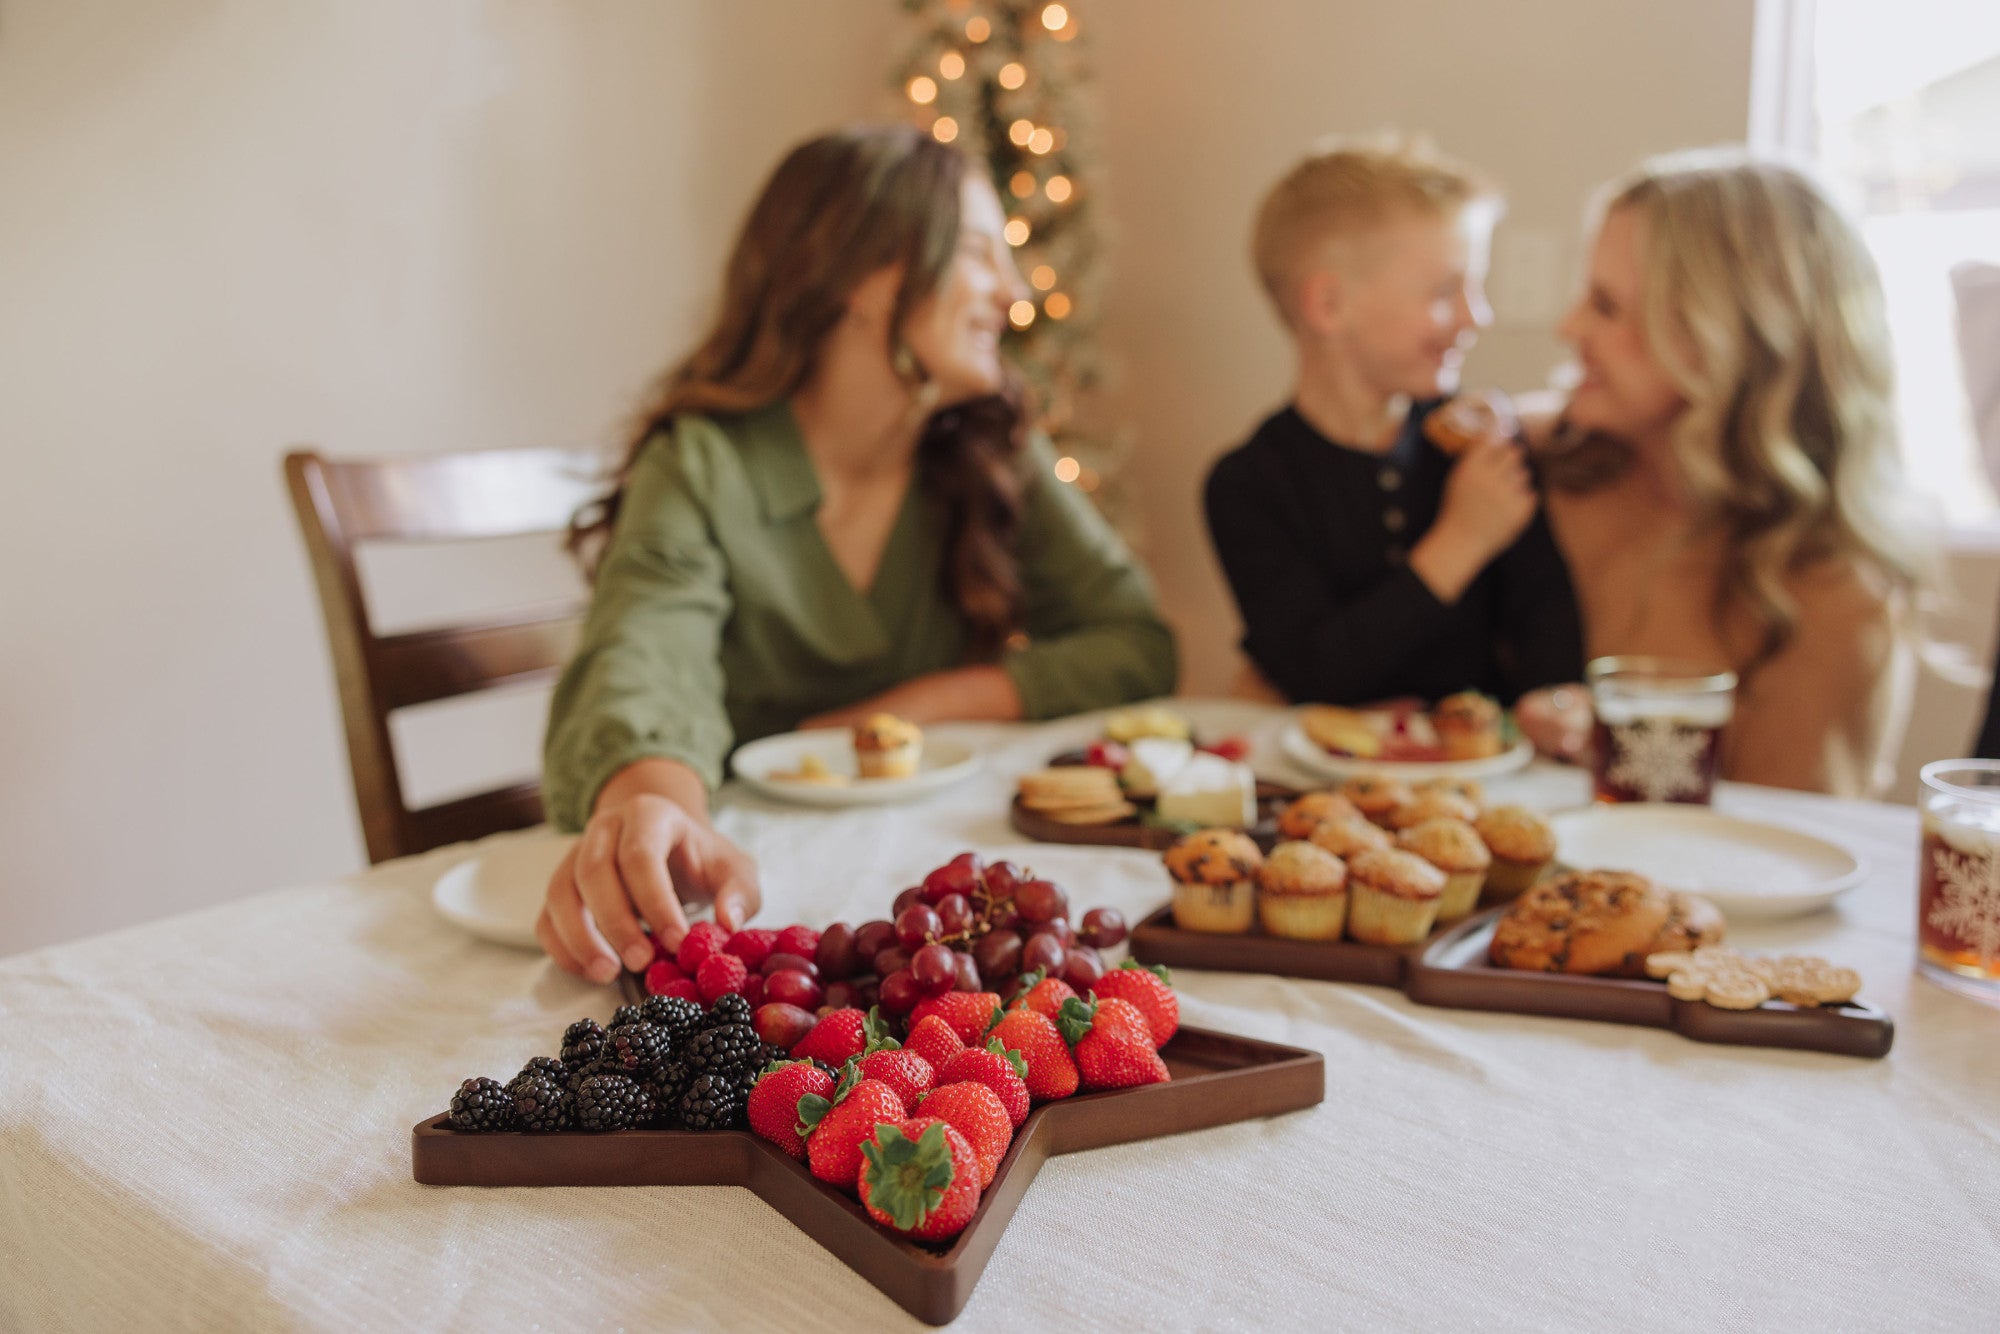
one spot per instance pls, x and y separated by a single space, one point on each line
1004 79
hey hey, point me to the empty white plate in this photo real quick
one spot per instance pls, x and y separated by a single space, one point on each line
944 762
1306 752
1747 869
497 892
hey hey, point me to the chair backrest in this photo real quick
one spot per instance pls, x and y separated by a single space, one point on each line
434 498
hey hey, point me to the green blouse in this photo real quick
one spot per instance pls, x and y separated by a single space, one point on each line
720 615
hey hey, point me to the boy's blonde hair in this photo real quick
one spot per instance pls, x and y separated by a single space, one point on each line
1350 184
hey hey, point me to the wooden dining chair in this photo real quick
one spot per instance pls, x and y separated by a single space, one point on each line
434 498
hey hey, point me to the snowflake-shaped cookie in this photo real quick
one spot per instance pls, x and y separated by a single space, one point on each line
1968 901
1658 759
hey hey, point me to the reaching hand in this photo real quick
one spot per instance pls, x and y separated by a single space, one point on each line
1488 498
1557 719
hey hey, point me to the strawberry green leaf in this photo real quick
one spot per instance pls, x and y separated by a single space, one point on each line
1075 1019
812 1109
1158 970
1013 1057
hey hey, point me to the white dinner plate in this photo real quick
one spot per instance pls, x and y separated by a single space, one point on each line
1747 869
497 892
1308 753
944 762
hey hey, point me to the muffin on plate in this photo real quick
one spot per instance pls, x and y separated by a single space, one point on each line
1468 726
1590 922
1302 893
1434 805
1215 873
1345 838
1469 788
1375 796
1454 847
886 746
1522 844
1392 897
1312 810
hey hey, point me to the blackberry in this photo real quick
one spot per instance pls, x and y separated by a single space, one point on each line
727 1050
770 1053
481 1104
541 1103
583 1042
636 1049
681 1018
546 1065
712 1102
729 1008
578 1073
612 1102
625 1014
829 1071
667 1084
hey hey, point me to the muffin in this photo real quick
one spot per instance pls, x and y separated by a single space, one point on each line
1589 922
1522 845
1375 796
1453 847
886 746
1214 873
1469 788
1392 897
1692 922
1312 810
1302 893
1427 806
1468 726
1456 426
1348 837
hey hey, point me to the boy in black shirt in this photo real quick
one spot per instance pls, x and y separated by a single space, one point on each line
1366 563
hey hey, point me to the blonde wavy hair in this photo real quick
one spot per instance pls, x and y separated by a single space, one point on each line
1762 304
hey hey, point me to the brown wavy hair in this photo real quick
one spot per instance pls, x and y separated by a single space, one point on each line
838 208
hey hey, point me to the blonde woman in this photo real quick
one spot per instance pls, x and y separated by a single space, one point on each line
1736 380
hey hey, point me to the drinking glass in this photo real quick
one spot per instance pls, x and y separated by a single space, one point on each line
1659 728
1958 878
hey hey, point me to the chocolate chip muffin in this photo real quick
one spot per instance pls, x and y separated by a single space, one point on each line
1594 922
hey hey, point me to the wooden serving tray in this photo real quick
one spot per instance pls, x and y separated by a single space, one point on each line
1217 1079
1158 940
1131 832
1452 971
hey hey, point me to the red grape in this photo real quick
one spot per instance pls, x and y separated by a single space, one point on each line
1058 927
915 925
793 988
998 954
900 992
836 955
957 876
954 914
1001 880
866 992
871 938
1040 900
1082 968
1043 952
840 996
1103 928
1003 916
913 895
891 959
968 973
790 963
933 968
782 1025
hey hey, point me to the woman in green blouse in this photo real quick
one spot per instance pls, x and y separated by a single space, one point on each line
833 508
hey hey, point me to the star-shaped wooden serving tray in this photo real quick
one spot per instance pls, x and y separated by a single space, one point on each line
1217 1079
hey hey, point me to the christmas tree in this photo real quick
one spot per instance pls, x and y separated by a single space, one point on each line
1003 79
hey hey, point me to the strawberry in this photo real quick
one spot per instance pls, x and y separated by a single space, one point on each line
904 1071
1114 1049
974 1111
800 940
718 975
659 973
702 940
1045 995
932 1038
838 1037
1051 1071
1148 988
752 945
999 1069
919 1178
836 1128
970 1013
774 1102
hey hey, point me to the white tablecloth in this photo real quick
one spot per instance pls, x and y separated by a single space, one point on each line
204 1123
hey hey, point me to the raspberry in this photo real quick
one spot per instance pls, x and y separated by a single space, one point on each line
752 945
720 974
800 940
753 990
681 988
659 973
703 939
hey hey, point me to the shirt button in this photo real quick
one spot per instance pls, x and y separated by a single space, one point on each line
1389 479
1393 520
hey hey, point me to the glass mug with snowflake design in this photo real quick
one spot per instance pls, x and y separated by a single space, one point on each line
1958 877
1659 725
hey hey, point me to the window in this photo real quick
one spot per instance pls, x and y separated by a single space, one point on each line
1899 106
